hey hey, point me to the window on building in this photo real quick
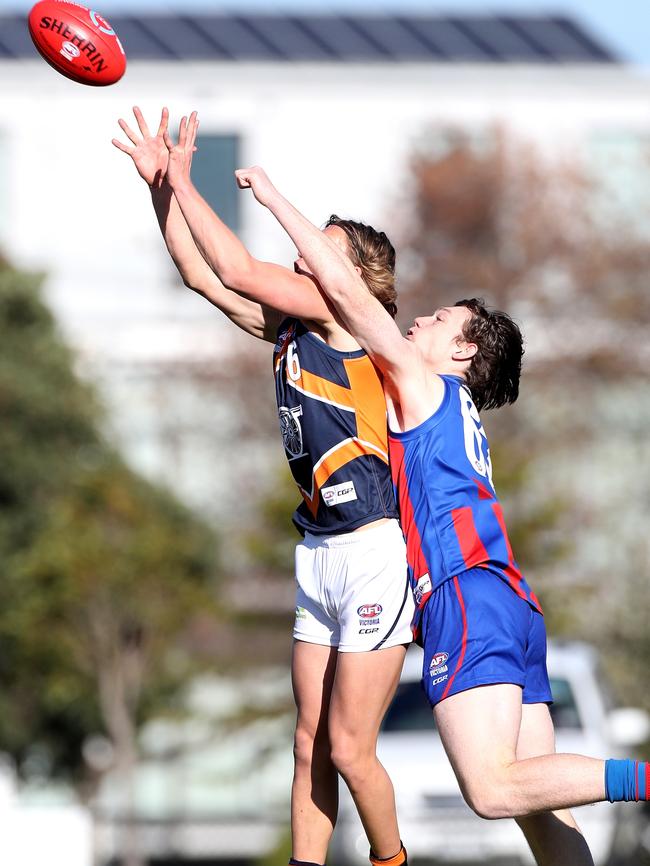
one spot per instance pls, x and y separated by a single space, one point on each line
213 173
619 162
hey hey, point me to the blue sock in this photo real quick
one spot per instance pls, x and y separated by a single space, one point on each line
626 780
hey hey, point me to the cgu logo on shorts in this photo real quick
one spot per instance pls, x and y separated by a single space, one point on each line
438 664
369 611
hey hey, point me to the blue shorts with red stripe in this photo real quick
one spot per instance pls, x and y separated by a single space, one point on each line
476 631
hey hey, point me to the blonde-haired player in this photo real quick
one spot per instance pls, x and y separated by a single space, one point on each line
353 604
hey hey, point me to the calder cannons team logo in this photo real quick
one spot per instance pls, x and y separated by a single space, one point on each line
291 430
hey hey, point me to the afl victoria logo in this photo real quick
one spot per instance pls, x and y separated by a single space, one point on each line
368 611
438 660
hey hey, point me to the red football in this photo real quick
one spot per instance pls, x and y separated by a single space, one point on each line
77 42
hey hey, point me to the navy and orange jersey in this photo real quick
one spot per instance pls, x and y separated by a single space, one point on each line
451 518
333 423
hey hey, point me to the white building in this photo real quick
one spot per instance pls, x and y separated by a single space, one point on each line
330 106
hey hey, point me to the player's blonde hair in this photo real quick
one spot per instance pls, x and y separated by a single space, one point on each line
374 255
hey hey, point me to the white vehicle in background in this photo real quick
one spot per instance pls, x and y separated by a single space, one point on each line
439 828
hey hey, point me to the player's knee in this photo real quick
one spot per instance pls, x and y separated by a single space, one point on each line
349 758
309 747
486 800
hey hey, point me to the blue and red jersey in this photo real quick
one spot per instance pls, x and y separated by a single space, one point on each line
451 518
332 416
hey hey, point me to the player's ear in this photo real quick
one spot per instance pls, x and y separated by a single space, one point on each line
464 351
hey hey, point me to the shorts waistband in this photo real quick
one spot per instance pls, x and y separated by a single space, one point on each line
358 536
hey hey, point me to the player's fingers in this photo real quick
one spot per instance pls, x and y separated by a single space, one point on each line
124 126
142 123
164 122
182 131
169 144
121 146
192 130
243 180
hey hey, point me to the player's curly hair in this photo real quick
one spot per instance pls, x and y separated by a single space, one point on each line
494 372
373 253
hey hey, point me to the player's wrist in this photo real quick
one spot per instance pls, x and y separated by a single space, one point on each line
160 189
181 186
273 200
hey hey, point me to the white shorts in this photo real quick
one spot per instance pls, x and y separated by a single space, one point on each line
353 590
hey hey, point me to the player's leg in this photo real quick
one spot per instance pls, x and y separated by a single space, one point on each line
554 837
496 649
375 613
314 793
479 730
363 688
487 633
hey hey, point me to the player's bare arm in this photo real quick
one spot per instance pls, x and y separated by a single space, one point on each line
412 389
150 157
269 284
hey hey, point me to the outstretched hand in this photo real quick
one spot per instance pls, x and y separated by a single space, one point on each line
256 178
149 152
180 154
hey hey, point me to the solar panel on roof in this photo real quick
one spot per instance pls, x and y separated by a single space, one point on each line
393 38
474 34
291 41
181 38
461 39
138 42
235 38
448 41
553 38
504 41
582 38
339 37
14 37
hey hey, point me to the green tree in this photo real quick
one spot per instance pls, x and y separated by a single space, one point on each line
103 573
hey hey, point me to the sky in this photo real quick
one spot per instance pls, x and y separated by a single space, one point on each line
622 25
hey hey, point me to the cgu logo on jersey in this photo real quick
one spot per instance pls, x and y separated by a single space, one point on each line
438 664
369 611
337 493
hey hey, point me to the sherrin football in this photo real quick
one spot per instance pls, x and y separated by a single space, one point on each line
77 41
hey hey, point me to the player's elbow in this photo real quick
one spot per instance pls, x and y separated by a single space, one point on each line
339 290
238 276
192 282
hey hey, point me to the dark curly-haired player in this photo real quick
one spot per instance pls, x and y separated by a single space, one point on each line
481 627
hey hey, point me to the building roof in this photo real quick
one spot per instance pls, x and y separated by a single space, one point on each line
340 38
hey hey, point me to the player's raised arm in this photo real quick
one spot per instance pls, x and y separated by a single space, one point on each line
150 157
362 314
267 283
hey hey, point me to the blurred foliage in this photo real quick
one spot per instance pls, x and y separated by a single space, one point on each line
102 572
489 216
261 598
273 543
281 854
